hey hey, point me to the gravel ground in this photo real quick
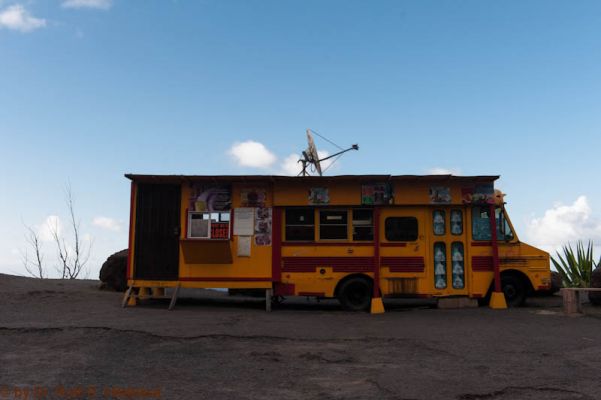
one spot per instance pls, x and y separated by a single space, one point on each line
67 339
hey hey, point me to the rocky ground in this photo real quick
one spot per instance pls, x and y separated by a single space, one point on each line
67 339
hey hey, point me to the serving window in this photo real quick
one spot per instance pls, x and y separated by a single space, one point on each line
208 225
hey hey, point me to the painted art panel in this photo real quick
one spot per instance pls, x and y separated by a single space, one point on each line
440 195
253 197
376 194
319 195
210 198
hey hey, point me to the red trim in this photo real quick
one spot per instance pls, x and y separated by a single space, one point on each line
186 225
231 225
477 296
544 287
276 244
224 279
495 248
403 264
482 263
317 294
131 229
481 244
344 244
283 289
338 264
203 240
393 244
376 292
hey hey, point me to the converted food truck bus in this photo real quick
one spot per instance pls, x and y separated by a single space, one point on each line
353 237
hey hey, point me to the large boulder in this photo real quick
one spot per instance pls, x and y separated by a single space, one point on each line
113 272
595 297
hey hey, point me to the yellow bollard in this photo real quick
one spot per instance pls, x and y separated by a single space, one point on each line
377 306
497 301
158 292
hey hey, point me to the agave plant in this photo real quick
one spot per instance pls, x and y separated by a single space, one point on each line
575 268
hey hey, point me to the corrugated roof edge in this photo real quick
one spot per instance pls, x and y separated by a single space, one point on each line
255 178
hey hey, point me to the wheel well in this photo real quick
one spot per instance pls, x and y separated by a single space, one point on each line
346 278
519 275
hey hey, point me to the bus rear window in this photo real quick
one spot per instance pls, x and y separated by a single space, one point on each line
401 229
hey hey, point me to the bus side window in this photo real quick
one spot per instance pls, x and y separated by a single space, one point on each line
363 224
504 231
300 224
401 229
438 222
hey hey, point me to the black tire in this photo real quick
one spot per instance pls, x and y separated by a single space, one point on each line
514 289
354 294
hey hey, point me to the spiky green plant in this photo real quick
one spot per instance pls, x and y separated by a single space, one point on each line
575 268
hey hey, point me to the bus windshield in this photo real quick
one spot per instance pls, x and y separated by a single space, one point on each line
481 224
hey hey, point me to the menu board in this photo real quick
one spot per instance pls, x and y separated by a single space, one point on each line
244 221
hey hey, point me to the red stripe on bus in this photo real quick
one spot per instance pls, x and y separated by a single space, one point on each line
276 245
326 244
482 263
224 279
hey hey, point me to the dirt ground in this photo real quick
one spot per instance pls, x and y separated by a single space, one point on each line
67 339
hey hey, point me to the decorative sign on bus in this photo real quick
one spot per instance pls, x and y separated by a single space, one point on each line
220 230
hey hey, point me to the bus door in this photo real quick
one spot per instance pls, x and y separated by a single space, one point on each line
402 251
447 249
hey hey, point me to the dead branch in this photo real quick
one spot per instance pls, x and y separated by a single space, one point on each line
35 266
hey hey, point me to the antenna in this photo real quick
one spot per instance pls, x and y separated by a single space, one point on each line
310 155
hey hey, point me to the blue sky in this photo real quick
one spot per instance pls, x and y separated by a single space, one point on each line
92 89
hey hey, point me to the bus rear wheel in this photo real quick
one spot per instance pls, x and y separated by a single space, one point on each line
514 289
354 294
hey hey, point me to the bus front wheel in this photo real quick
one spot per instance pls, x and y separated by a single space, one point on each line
354 294
514 289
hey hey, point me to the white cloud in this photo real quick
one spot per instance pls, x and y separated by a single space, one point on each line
50 225
444 171
563 224
107 223
290 165
17 18
252 154
98 4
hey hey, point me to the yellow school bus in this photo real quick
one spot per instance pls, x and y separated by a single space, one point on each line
353 237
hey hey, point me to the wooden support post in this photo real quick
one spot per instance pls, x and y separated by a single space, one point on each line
268 295
158 292
174 298
571 301
126 296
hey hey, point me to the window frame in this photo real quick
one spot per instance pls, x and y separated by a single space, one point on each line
319 211
286 224
220 215
386 235
502 214
372 226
